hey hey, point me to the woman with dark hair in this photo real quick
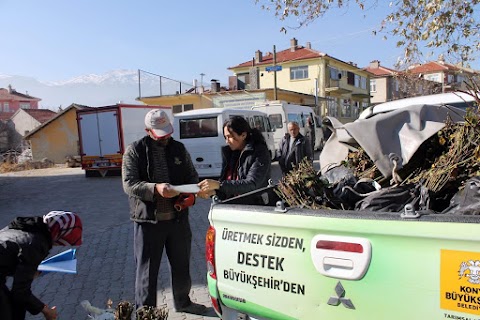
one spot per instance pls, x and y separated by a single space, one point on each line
246 162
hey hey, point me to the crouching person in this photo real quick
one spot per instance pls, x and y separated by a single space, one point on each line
24 243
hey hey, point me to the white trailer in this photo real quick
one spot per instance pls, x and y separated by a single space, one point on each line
105 132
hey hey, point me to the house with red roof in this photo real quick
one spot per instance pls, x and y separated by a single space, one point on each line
11 100
388 84
451 77
342 86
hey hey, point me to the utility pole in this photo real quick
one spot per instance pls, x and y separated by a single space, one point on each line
274 73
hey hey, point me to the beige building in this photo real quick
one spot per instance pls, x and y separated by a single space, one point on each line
341 88
57 138
388 84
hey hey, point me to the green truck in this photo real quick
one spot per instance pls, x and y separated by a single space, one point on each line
271 263
280 262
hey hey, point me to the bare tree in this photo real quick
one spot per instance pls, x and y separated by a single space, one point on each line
451 25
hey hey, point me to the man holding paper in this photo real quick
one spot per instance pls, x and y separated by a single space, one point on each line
151 168
24 243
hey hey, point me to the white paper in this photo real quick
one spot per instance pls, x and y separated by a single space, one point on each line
186 188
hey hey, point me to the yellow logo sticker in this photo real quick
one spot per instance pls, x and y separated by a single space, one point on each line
460 281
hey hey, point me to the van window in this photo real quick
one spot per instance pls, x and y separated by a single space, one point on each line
276 120
198 128
258 123
296 117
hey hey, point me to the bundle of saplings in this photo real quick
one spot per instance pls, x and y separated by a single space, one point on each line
443 166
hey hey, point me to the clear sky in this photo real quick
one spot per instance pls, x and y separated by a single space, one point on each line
53 40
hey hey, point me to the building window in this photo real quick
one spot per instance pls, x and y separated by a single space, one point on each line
6 107
335 74
181 108
357 81
363 83
24 105
355 109
351 78
433 77
346 108
373 85
332 107
297 73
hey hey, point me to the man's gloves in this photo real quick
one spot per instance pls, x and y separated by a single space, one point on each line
184 201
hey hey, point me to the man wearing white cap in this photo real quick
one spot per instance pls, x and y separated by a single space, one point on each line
150 166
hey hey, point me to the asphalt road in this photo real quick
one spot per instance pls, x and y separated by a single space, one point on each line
105 267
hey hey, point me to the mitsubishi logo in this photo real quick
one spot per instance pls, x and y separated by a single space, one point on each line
340 298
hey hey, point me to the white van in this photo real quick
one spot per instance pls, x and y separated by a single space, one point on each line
281 113
455 99
201 131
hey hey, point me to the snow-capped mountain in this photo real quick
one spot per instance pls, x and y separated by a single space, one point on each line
92 89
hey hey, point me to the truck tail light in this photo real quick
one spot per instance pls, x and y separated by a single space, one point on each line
210 252
340 246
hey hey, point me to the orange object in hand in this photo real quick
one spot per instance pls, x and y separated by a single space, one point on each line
184 201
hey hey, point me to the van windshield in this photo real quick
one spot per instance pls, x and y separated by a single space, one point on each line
198 128
276 120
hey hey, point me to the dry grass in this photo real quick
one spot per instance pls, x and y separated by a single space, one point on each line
29 165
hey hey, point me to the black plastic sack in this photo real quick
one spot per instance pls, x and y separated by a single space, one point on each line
395 198
467 200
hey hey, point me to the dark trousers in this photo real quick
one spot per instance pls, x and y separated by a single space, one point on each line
9 311
149 240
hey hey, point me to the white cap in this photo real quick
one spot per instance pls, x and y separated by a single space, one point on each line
158 121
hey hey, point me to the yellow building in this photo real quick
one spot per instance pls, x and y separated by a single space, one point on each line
57 138
341 88
217 98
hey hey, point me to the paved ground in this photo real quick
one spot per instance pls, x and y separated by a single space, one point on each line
105 267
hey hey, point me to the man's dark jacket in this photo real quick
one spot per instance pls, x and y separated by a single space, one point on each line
137 174
289 159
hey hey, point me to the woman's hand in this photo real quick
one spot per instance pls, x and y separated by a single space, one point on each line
206 194
209 185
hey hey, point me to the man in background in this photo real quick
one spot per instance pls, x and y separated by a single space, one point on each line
293 148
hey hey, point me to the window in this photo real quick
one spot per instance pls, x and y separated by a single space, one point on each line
258 123
198 128
357 81
433 77
332 107
351 78
373 85
295 117
276 120
363 83
6 107
182 107
355 109
24 105
346 109
297 73
335 74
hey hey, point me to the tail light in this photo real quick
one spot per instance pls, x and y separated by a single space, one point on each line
210 252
